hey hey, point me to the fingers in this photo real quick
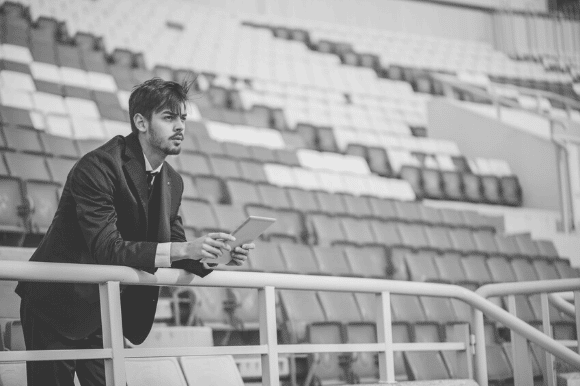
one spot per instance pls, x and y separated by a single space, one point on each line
244 249
214 252
238 259
222 236
217 244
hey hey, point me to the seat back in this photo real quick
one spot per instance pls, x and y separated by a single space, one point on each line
154 372
215 370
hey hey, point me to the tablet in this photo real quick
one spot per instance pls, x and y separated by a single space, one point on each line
246 233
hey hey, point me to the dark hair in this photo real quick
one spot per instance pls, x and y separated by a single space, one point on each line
157 94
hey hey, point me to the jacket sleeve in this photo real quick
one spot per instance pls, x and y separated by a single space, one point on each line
93 186
178 235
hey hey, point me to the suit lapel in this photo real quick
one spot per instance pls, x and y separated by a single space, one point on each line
134 168
164 230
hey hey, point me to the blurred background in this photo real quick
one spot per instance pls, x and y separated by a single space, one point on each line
434 141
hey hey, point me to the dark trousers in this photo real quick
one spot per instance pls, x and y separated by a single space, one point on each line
38 335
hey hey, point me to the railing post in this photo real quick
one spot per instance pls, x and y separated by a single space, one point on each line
385 336
546 326
577 308
112 324
267 306
523 375
480 354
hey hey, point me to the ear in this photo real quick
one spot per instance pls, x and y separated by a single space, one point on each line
140 123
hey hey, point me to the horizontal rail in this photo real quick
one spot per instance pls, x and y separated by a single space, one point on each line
51 355
369 347
562 305
528 287
195 351
79 273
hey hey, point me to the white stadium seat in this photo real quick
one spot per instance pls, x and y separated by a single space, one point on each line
59 125
154 372
101 82
49 103
15 53
82 107
85 127
16 81
211 370
74 77
46 72
16 98
279 175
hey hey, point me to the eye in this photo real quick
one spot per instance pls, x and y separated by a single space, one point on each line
168 118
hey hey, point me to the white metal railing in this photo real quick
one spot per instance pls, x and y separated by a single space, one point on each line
520 349
113 352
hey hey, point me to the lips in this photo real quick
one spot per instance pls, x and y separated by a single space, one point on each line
177 137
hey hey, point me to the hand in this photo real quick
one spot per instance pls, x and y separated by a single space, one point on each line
240 254
208 247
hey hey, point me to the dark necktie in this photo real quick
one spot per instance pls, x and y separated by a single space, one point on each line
150 178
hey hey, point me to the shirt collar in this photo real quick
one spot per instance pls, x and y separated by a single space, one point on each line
149 168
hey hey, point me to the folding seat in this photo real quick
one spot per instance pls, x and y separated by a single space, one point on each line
358 150
88 145
357 231
286 157
59 169
326 140
476 221
565 270
476 269
300 309
293 140
450 268
237 151
383 209
273 196
59 146
440 310
258 116
407 211
326 229
498 365
502 271
199 215
15 116
224 167
472 187
210 146
421 266
211 189
438 238
299 259
428 365
491 189
242 192
195 164
407 309
189 189
262 154
432 184
511 191
387 233
209 370
27 166
308 134
357 206
547 249
122 74
546 270
368 261
413 236
507 246
452 185
462 240
11 220
485 242
229 217
303 200
527 246
278 121
25 140
13 336
289 225
43 202
412 175
252 171
331 261
331 203
267 258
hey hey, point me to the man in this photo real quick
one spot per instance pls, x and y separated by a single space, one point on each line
119 206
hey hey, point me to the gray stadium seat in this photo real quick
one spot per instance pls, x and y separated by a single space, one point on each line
273 196
43 200
303 200
13 374
199 215
426 365
421 266
229 217
195 164
10 213
331 261
237 150
211 370
253 171
331 203
326 228
25 140
224 167
211 189
267 258
438 238
368 261
357 231
299 259
300 309
432 184
27 166
59 168
14 337
357 206
384 209
154 371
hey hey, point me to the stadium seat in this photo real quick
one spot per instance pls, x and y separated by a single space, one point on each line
199 216
88 145
225 167
267 258
162 336
27 166
253 171
331 261
43 200
438 238
421 266
547 249
452 185
450 267
357 231
237 151
326 229
229 217
368 261
211 189
273 196
491 189
303 200
13 374
262 154
189 189
407 309
242 192
12 220
299 259
195 164
13 336
59 169
378 161
211 370
331 203
357 206
413 236
210 147
426 365
407 211
384 209
387 233
59 146
462 241
498 366
412 175
25 140
154 371
300 309
511 191
476 269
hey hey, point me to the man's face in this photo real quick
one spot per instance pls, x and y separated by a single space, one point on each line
166 130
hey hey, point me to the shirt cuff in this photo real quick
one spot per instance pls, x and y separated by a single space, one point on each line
163 255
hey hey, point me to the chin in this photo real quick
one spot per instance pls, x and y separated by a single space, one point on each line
173 150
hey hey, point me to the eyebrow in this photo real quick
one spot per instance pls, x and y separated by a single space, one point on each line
169 112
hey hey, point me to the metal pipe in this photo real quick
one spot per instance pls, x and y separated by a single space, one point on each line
562 305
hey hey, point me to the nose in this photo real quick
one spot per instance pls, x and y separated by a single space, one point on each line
180 126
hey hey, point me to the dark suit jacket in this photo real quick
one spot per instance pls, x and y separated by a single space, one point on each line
102 219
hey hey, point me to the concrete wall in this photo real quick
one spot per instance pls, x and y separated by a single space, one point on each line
532 159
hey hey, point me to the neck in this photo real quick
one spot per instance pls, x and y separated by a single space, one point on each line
154 156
